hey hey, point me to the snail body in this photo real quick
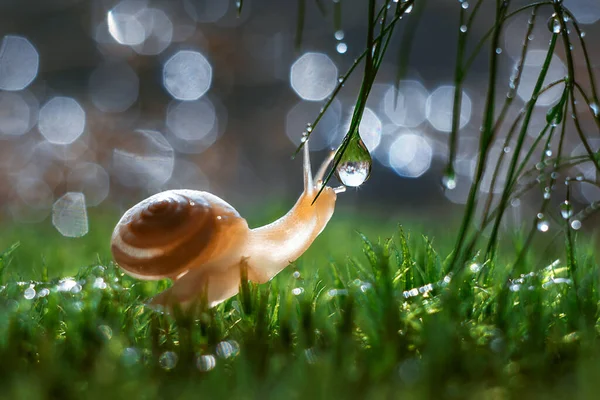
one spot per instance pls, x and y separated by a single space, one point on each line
201 242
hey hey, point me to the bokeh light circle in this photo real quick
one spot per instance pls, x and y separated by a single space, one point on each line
19 63
18 113
61 120
124 23
439 108
531 70
191 120
90 179
159 32
187 75
406 106
410 155
313 76
145 160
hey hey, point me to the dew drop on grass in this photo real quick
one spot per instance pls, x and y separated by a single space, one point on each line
69 215
449 180
409 9
366 286
542 225
168 360
29 293
595 109
297 291
576 224
465 5
296 274
554 24
66 285
463 28
44 292
99 284
475 267
355 165
566 210
206 362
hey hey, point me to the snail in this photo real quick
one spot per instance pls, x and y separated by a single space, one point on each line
201 242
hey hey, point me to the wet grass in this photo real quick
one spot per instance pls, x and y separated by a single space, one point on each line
380 318
384 313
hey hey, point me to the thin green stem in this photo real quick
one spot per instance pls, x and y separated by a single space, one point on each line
510 176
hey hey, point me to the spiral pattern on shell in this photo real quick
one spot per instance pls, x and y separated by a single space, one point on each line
171 232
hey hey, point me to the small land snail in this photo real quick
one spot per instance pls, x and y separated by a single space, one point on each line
201 242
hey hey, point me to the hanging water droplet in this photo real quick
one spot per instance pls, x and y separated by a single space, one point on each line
408 9
566 210
548 153
579 177
355 165
449 180
595 109
542 224
576 224
554 24
582 35
554 115
463 28
465 5
339 35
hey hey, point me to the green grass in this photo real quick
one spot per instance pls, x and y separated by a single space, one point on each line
371 318
430 309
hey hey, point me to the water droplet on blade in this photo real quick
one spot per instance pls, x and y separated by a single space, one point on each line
566 210
449 180
355 165
542 225
595 109
554 24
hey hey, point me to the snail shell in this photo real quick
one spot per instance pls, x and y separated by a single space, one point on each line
169 233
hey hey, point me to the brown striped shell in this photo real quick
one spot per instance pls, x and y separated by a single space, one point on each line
172 232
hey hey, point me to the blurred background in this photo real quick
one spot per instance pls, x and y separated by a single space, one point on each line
103 103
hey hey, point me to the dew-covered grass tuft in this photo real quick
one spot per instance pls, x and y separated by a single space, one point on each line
378 318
